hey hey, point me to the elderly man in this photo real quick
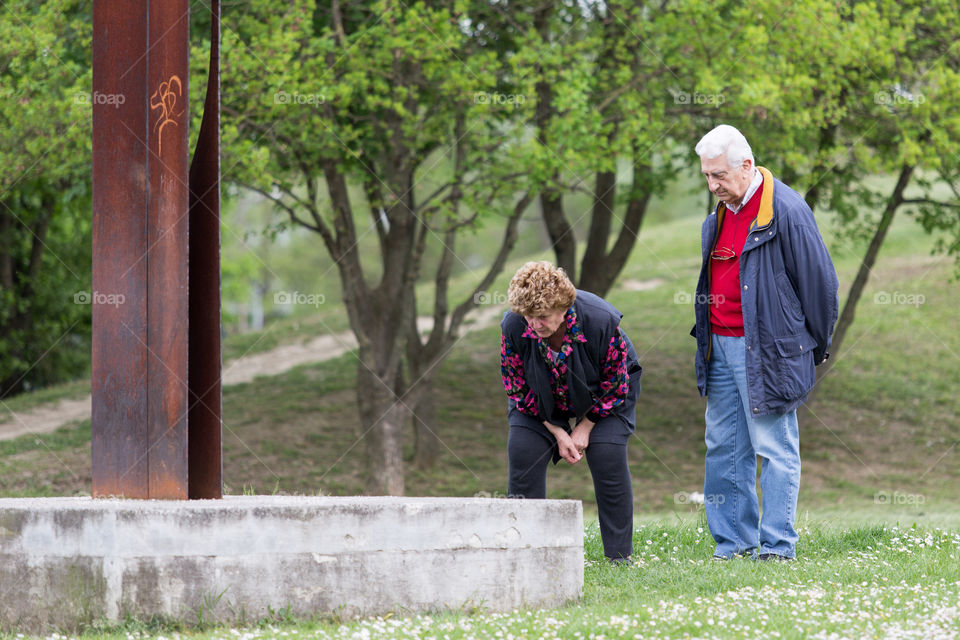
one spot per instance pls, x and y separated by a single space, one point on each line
765 307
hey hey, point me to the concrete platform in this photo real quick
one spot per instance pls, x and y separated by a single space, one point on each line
67 562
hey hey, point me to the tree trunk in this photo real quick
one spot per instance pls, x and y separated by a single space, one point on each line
384 419
594 264
561 233
870 258
826 140
421 364
562 240
374 314
423 359
600 271
427 443
863 274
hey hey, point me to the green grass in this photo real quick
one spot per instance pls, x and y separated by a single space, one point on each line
850 581
27 401
881 434
297 328
45 465
880 556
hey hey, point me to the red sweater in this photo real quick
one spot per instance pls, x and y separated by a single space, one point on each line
726 314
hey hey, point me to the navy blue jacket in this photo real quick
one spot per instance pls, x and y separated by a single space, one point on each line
598 319
790 300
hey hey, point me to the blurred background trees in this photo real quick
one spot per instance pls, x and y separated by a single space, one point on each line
389 157
44 193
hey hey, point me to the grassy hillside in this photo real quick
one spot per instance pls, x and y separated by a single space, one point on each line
882 435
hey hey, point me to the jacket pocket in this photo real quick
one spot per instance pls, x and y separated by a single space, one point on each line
634 374
795 365
789 302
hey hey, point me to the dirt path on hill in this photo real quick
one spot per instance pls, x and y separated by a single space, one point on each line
50 417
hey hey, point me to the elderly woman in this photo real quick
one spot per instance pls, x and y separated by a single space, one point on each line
564 357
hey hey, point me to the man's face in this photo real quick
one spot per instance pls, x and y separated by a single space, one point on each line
728 183
546 324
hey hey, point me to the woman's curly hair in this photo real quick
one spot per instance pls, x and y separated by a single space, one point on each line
538 288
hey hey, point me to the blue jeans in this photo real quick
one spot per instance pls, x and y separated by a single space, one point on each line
734 439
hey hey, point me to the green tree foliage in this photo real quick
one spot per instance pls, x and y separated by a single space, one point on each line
387 128
600 74
378 126
910 132
44 192
835 95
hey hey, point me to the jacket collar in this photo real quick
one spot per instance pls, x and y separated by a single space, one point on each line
765 214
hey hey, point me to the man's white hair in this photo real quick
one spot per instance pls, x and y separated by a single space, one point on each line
725 139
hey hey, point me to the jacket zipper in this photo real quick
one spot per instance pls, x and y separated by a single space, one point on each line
713 247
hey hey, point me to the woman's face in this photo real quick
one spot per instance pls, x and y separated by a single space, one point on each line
546 324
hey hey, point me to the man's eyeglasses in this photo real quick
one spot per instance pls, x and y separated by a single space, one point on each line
723 253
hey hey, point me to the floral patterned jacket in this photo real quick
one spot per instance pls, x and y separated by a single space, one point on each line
595 374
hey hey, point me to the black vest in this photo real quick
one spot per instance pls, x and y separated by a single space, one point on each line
598 319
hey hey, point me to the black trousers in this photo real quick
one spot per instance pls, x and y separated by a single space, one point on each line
529 453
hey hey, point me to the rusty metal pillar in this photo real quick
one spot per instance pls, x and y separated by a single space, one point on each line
143 333
204 367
